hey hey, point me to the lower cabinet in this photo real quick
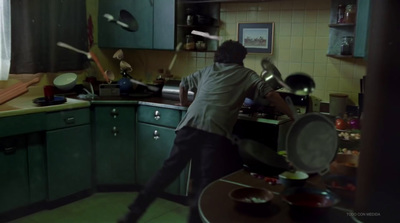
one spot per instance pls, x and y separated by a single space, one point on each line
14 173
154 145
68 161
114 140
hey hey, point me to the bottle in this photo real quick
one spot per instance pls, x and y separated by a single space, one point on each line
189 45
340 13
125 84
346 48
350 14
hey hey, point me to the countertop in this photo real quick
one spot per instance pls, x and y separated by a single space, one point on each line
216 206
24 104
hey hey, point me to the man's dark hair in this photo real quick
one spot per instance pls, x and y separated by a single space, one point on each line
230 52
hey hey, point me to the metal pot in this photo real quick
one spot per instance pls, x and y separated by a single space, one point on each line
261 159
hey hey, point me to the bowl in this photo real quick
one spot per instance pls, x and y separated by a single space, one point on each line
343 186
66 81
307 202
251 198
293 179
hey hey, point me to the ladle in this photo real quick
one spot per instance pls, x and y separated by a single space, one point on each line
297 83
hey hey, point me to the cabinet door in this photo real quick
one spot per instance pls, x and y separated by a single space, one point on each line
112 35
361 32
68 161
154 145
37 167
164 24
14 186
114 138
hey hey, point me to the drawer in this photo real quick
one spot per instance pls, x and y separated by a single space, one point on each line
159 116
67 118
21 124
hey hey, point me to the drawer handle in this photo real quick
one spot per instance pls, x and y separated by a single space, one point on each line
69 120
9 150
157 115
115 131
156 135
114 113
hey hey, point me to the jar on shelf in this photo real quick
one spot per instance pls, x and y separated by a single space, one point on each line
346 47
340 13
189 44
350 14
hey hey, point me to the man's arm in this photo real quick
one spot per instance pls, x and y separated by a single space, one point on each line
276 100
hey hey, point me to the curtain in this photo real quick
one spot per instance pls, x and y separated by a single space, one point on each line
37 26
5 39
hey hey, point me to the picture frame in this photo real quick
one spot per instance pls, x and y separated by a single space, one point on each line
257 37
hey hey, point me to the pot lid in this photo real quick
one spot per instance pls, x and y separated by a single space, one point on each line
311 143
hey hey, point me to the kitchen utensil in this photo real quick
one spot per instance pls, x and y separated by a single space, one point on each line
16 90
206 35
261 159
66 81
311 143
125 66
293 178
129 19
110 18
297 83
119 55
178 47
151 88
309 202
89 55
248 198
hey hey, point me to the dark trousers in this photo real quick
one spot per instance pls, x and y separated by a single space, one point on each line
212 156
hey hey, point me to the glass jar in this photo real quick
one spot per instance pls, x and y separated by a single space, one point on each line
346 48
340 13
350 14
189 45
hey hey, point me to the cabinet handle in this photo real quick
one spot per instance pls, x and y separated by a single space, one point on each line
115 131
157 115
9 150
69 120
156 135
114 113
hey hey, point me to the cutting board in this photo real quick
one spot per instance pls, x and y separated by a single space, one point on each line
16 90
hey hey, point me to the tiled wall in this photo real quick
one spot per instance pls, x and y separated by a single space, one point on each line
300 44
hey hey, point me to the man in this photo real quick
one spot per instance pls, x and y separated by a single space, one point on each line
204 136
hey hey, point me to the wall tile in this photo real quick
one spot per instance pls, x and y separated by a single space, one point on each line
309 43
308 55
310 29
285 16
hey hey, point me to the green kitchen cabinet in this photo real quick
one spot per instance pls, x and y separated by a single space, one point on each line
155 24
155 137
362 28
14 173
68 152
37 167
114 140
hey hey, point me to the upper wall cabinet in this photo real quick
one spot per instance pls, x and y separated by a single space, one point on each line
351 29
150 24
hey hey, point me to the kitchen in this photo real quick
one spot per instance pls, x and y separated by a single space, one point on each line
292 52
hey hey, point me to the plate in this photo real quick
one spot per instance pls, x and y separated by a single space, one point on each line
43 102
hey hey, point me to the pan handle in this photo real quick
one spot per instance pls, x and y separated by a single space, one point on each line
291 106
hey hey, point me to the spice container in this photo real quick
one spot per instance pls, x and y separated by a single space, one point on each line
189 45
346 47
340 13
337 104
350 14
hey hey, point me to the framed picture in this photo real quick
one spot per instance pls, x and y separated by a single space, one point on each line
256 37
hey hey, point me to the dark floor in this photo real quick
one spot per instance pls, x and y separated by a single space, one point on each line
107 208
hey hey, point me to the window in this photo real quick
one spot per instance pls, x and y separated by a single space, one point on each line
5 38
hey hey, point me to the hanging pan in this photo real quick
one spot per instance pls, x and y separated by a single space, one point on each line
311 142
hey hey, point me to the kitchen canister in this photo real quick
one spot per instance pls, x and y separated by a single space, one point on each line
337 104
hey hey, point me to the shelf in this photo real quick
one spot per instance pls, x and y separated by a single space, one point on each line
341 25
196 26
339 56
